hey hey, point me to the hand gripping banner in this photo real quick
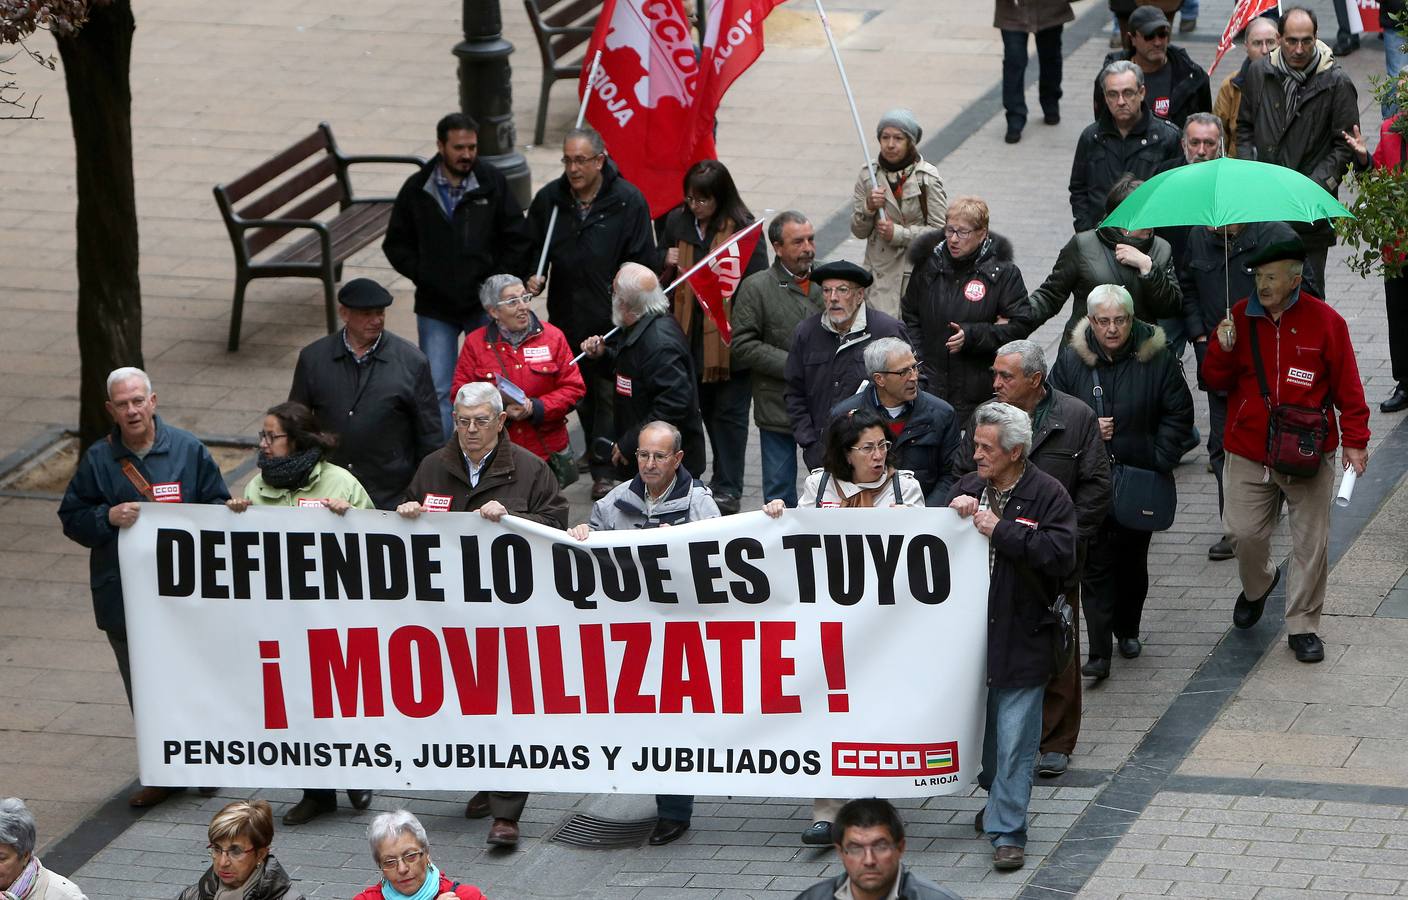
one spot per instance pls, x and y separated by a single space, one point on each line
826 653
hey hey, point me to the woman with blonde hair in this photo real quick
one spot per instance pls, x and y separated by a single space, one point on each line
241 864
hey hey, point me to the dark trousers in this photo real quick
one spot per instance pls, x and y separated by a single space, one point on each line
1014 73
1315 262
118 642
1115 585
1060 705
1217 420
1396 305
1341 18
724 405
597 411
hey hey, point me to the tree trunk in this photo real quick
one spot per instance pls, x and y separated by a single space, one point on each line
97 62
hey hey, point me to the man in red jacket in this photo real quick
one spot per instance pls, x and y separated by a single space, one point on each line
1284 348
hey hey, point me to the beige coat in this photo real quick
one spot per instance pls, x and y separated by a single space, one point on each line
886 260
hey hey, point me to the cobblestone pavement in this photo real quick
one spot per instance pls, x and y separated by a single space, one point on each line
1266 797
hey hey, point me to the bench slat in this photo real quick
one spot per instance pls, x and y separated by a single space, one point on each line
351 231
257 239
280 196
561 14
272 168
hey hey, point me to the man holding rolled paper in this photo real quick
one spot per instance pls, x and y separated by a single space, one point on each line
1285 358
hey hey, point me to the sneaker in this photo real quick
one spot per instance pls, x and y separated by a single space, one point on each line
1222 550
1308 647
1049 765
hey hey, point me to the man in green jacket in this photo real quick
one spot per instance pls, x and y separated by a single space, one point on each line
766 310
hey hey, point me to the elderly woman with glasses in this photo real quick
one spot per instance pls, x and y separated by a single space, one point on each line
401 850
22 876
530 362
294 471
965 299
241 864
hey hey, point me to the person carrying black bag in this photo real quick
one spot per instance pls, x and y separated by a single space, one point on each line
1122 369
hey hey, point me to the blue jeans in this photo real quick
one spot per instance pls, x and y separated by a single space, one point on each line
1010 741
678 807
440 342
779 466
1395 58
1189 9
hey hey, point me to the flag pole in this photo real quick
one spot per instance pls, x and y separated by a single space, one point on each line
713 254
850 98
581 115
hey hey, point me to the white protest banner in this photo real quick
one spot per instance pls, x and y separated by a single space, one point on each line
826 653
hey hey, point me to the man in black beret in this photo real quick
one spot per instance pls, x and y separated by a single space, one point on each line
374 390
826 363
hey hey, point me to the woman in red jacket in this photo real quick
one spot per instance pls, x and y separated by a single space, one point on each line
401 850
531 363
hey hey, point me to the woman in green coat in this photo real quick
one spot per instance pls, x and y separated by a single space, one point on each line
294 471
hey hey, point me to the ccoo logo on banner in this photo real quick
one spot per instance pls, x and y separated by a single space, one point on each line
825 653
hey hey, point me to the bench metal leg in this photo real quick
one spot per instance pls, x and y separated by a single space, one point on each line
337 273
330 300
543 109
237 310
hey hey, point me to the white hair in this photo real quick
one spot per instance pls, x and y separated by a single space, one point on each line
117 376
1014 426
480 393
1108 295
390 825
1033 357
17 828
638 290
878 352
493 287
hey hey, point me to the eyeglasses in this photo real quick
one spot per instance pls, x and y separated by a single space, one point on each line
1126 94
858 851
473 423
698 201
652 456
513 302
903 373
1117 322
838 290
410 858
581 160
1298 42
268 437
870 449
962 234
235 852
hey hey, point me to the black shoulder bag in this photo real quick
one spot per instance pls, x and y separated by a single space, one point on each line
1145 500
1295 435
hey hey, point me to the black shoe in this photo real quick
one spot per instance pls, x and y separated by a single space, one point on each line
1221 550
1053 117
728 504
1013 135
1248 612
817 835
478 806
308 809
667 830
1130 647
1097 667
1308 647
359 799
978 822
1346 44
1396 401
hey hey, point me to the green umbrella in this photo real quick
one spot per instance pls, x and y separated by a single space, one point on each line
1225 192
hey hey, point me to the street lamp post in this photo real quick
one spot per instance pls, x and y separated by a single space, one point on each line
486 92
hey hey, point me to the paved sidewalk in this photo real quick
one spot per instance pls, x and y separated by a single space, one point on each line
218 89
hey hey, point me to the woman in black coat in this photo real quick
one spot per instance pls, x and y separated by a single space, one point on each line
965 299
1146 420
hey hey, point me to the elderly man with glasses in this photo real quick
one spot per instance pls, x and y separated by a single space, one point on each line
481 470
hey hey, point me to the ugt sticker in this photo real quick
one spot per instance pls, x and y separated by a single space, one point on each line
167 492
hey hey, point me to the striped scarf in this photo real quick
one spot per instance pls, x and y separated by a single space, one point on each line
24 884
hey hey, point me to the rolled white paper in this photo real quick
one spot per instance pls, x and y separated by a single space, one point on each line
1346 487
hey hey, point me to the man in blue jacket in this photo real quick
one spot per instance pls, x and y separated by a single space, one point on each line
142 460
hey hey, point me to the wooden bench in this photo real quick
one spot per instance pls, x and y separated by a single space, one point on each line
561 26
292 196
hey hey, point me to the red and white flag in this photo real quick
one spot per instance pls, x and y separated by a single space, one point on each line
717 277
733 40
1242 15
644 95
1364 16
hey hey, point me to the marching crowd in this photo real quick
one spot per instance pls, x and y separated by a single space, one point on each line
907 381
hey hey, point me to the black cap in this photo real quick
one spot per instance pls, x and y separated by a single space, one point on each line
363 293
844 270
1291 249
1147 19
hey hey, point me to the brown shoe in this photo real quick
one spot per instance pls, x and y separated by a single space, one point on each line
503 833
1007 859
151 796
478 806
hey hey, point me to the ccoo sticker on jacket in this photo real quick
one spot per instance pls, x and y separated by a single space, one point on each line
542 354
167 492
1030 523
1302 377
623 385
437 502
